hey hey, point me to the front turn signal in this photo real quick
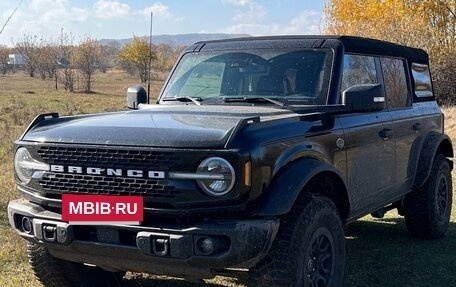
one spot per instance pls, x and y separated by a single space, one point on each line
248 174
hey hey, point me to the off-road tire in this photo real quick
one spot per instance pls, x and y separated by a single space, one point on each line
309 249
54 272
427 209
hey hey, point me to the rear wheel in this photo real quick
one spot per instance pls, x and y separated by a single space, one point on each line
427 210
54 272
309 250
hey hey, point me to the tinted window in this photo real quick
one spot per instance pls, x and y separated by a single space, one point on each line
397 95
422 77
358 70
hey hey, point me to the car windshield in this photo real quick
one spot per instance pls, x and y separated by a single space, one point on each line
289 77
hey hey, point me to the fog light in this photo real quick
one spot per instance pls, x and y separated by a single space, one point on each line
210 245
27 225
207 245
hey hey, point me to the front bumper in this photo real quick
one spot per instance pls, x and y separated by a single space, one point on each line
174 250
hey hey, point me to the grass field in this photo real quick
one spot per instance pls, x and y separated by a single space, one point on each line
379 252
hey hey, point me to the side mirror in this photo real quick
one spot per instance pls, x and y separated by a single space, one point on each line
136 95
365 97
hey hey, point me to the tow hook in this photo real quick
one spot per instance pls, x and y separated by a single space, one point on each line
52 231
153 244
49 233
160 246
165 245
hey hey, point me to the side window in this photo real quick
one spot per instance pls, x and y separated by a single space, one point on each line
358 70
397 95
422 78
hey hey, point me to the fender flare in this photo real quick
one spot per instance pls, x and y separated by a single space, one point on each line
287 185
434 143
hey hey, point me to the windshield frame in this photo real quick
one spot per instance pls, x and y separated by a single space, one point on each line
326 70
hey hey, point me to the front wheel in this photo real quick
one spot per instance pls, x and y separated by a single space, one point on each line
427 210
54 272
309 250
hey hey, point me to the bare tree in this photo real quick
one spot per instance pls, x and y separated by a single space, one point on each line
27 47
64 58
4 53
106 58
87 60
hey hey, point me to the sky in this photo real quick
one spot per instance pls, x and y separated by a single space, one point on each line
118 19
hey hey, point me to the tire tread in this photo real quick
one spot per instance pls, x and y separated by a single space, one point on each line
418 209
275 269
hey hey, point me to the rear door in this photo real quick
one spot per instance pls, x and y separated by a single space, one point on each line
408 123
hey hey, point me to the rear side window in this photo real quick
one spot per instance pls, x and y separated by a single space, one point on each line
422 79
394 76
358 70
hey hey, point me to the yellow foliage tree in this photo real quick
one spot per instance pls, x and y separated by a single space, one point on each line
166 56
135 57
427 24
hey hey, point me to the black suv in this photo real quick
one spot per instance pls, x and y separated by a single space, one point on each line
261 150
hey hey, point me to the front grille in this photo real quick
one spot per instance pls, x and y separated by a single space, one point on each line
100 157
70 183
54 184
158 193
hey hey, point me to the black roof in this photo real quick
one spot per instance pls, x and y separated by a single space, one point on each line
358 44
351 44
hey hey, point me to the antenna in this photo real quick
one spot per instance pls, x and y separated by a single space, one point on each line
11 16
150 57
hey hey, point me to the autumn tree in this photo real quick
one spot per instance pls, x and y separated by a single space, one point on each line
46 63
27 47
428 24
135 58
166 56
87 60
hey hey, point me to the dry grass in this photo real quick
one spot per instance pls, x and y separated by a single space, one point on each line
450 121
379 252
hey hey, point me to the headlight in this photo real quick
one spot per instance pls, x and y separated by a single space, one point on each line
219 176
27 167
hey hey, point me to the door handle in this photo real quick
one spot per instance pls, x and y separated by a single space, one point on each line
386 134
416 126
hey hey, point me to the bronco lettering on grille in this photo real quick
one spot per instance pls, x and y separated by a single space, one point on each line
108 171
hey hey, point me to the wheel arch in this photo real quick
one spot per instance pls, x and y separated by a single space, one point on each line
301 176
435 143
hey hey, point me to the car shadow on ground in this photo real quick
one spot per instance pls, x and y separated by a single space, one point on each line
380 252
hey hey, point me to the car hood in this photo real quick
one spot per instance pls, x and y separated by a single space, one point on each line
157 126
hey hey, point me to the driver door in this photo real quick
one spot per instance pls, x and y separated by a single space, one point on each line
369 141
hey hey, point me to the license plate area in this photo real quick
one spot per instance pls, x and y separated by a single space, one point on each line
78 209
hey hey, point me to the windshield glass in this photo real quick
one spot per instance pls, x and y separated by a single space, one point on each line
291 77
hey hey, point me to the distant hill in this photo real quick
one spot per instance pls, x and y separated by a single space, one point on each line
175 40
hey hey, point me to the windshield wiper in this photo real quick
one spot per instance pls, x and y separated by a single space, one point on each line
195 100
252 100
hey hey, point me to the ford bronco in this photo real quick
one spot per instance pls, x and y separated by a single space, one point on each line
256 154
